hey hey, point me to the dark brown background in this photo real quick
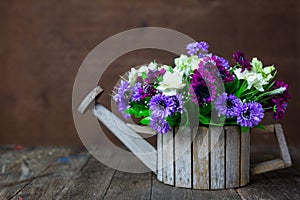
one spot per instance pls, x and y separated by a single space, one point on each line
44 42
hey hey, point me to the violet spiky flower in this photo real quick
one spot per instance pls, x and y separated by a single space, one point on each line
250 114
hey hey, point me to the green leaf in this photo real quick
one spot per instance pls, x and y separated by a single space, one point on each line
204 120
206 110
260 126
146 121
146 113
144 75
245 129
160 79
174 120
171 69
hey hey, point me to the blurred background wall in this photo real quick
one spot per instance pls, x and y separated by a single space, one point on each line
43 43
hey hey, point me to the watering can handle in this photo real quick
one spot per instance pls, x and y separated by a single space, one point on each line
87 101
278 163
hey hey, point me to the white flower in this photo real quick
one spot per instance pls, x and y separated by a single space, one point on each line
132 76
186 64
266 72
277 91
171 83
134 73
152 66
258 76
166 67
253 79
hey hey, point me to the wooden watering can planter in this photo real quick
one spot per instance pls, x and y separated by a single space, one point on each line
200 158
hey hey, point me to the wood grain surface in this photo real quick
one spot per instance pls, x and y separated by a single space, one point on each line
69 173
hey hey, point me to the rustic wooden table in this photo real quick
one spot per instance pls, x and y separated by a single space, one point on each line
71 173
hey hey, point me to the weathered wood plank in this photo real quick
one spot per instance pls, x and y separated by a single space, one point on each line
183 157
284 151
163 191
130 186
201 158
245 159
267 166
56 179
229 194
260 188
142 129
91 182
10 156
287 182
31 166
217 158
232 156
135 143
160 157
168 158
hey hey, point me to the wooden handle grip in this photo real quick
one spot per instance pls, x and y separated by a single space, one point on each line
279 163
86 102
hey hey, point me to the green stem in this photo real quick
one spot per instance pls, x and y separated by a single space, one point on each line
242 89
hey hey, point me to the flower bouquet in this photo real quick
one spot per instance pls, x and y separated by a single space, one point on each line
240 93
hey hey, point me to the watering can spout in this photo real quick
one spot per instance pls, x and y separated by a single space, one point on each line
132 140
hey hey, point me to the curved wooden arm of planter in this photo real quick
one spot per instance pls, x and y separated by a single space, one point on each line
279 163
86 102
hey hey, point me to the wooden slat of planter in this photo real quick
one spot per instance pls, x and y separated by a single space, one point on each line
160 157
129 186
201 158
217 158
168 158
232 156
245 159
183 156
56 179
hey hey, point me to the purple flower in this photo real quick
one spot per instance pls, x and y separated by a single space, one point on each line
221 61
279 107
202 80
161 107
160 125
286 95
250 114
152 77
123 96
197 47
279 102
240 58
227 105
176 103
140 91
224 69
